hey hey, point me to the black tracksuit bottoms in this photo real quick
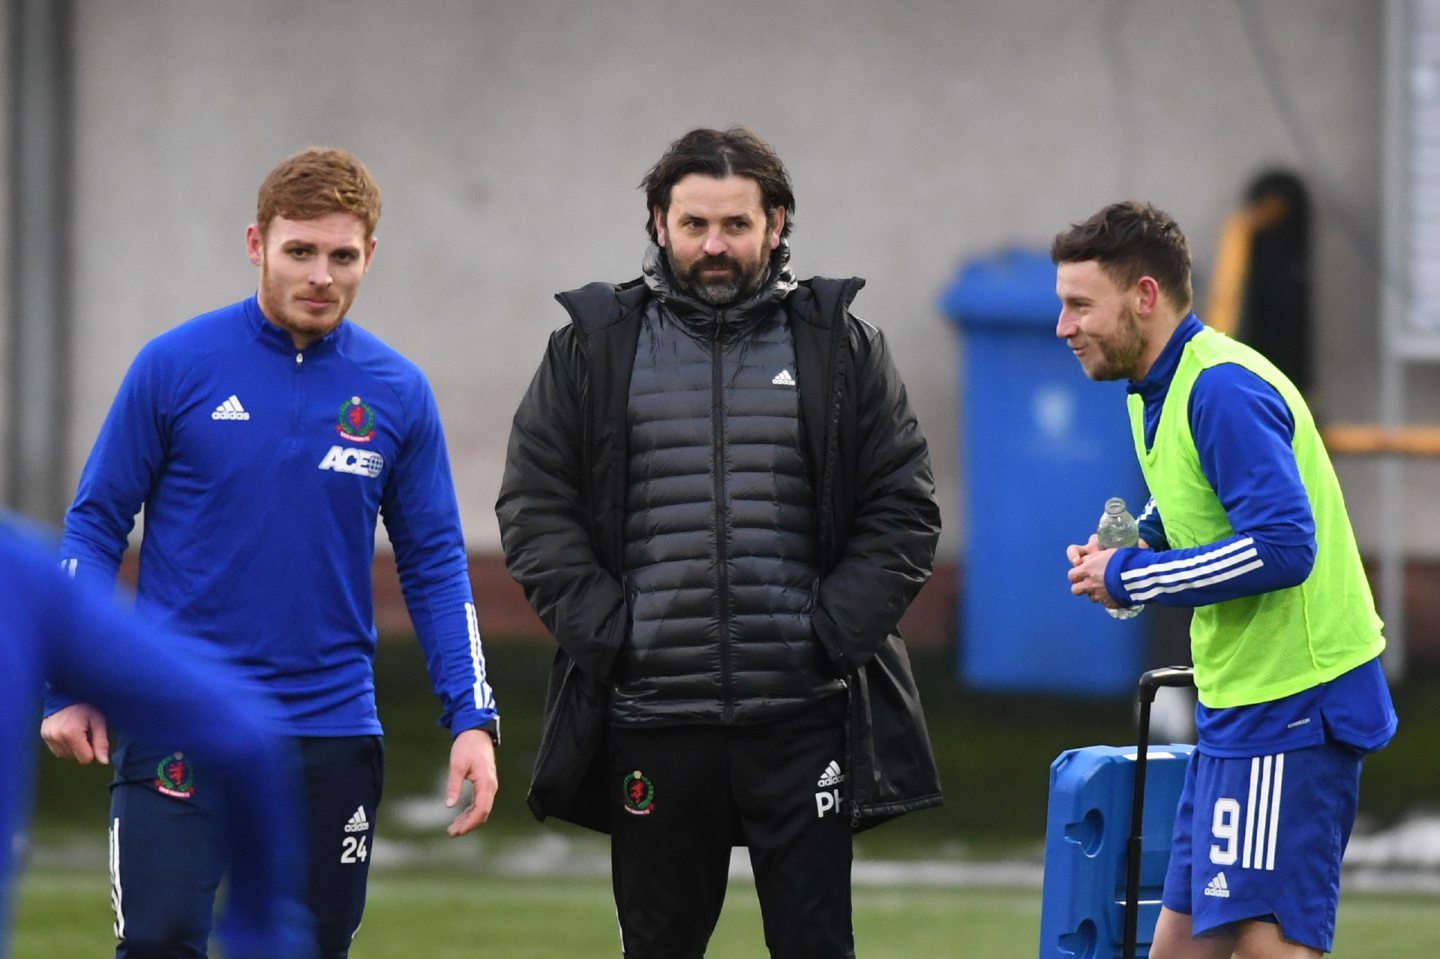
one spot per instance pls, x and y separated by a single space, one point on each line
684 795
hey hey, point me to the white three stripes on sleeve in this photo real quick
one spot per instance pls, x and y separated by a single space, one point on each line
484 696
1205 569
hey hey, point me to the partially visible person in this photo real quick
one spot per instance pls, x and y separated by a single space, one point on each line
1248 526
263 441
718 499
81 643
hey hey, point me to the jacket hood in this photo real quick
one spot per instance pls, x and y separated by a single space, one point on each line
702 317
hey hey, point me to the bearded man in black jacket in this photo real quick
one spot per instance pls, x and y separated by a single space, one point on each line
718 500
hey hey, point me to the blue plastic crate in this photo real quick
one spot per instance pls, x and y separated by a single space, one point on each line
1087 827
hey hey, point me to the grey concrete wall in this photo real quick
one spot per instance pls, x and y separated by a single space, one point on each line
5 146
508 137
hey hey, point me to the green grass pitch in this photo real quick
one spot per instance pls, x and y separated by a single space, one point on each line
460 916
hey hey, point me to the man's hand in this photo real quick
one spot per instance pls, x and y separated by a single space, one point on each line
1075 552
1087 570
77 732
472 757
1087 574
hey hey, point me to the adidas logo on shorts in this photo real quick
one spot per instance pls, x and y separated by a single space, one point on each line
358 822
1218 887
832 776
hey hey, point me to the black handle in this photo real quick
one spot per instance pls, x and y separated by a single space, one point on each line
1165 676
1149 683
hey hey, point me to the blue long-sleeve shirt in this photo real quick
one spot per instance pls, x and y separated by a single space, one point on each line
82 644
1243 432
262 470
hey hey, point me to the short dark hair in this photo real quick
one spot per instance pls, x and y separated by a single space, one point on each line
1130 240
716 153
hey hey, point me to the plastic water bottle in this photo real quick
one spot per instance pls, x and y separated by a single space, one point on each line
1118 529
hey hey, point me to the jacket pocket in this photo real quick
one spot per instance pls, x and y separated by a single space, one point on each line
570 763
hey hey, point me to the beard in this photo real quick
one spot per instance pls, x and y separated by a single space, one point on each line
278 304
718 289
1120 354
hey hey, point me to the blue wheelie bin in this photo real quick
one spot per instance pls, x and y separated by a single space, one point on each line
1042 449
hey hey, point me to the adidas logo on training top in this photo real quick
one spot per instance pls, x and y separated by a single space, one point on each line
230 410
783 378
358 822
832 776
1218 887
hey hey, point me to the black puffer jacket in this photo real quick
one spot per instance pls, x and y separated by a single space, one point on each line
562 514
720 568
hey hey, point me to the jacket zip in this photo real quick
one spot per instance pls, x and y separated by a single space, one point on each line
296 412
722 542
856 690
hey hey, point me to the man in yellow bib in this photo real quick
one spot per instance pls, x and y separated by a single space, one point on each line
1247 525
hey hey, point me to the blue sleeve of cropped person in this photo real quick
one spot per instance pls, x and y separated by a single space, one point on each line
422 519
90 649
1243 432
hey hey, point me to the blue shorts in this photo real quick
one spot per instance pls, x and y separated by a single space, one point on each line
1269 832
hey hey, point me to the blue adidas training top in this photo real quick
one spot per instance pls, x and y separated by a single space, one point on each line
262 470
57 631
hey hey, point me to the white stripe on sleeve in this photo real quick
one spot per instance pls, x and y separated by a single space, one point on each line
484 696
1205 569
